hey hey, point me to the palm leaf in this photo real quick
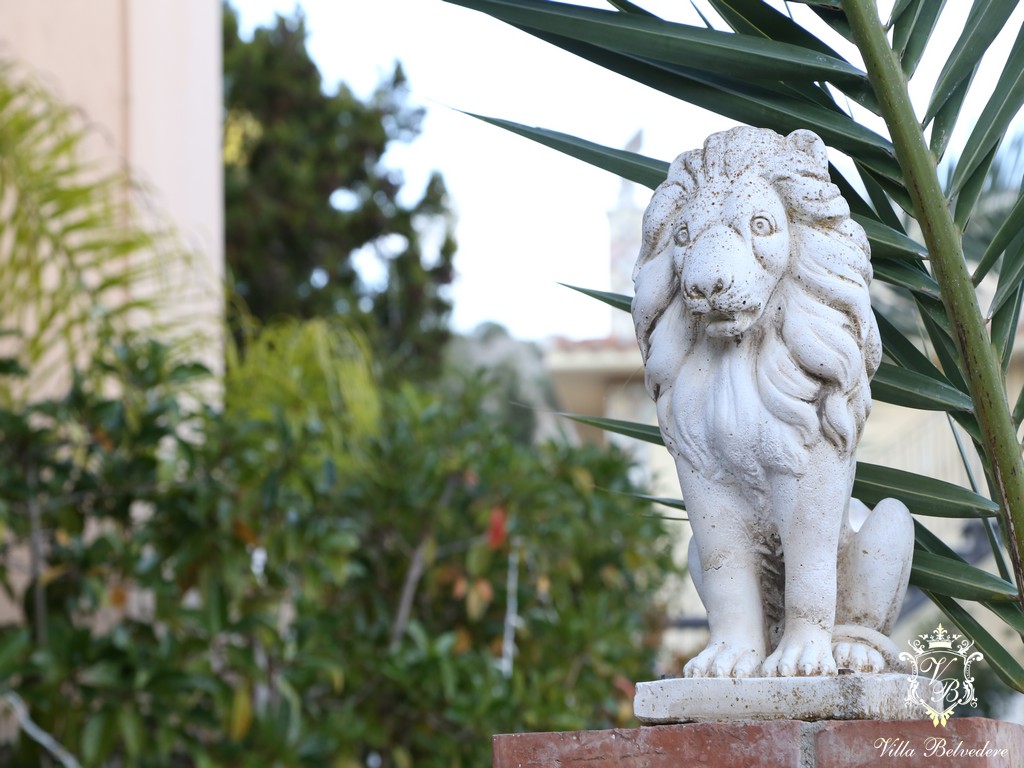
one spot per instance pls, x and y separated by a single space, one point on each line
761 106
627 7
972 189
945 120
903 351
664 501
1010 230
1005 102
955 578
628 165
616 300
885 241
1002 661
758 19
879 199
1010 277
652 38
922 495
889 243
913 30
901 274
901 386
986 20
1005 322
644 432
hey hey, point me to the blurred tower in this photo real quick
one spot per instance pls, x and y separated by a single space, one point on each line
624 226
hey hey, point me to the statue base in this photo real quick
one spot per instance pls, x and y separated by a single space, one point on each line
965 742
722 699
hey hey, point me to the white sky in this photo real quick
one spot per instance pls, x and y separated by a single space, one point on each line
528 216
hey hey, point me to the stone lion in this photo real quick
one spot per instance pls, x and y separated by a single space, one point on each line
753 317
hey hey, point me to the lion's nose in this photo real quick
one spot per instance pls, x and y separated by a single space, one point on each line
697 290
705 271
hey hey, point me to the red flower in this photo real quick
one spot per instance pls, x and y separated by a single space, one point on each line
496 531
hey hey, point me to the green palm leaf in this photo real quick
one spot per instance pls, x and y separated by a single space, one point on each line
955 578
628 165
765 106
889 243
616 300
901 274
647 36
913 29
903 351
1010 230
911 389
644 432
1002 661
986 20
922 495
1010 277
627 7
758 19
945 120
885 241
1005 102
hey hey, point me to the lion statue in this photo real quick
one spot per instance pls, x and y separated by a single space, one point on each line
753 316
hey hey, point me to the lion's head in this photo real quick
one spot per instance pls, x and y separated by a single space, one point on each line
747 237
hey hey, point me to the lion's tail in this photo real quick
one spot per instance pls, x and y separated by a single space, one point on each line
886 647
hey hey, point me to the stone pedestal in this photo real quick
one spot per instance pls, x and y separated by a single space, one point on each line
967 742
717 699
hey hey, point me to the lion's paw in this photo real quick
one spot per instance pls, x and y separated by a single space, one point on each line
858 656
725 659
807 654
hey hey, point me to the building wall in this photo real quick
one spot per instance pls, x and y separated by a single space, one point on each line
146 75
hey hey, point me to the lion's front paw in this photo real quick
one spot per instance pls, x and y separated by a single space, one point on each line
725 659
807 652
859 657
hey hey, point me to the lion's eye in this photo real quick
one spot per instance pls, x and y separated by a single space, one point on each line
681 235
762 226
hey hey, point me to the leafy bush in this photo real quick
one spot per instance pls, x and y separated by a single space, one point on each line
255 586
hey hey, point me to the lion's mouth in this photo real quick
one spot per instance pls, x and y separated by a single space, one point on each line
727 323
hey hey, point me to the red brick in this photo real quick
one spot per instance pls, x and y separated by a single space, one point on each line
905 744
776 744
714 745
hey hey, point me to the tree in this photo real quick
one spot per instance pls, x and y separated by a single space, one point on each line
306 189
779 71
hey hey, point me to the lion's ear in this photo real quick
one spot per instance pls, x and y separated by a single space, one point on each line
810 144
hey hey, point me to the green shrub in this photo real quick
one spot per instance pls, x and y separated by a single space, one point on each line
260 586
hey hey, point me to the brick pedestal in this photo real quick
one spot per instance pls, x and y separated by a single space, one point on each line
968 742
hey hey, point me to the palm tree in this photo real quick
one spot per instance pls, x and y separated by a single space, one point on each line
776 70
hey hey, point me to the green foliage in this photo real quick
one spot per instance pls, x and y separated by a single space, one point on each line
306 188
770 70
261 586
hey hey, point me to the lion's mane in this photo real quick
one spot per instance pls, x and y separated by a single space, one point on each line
825 340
